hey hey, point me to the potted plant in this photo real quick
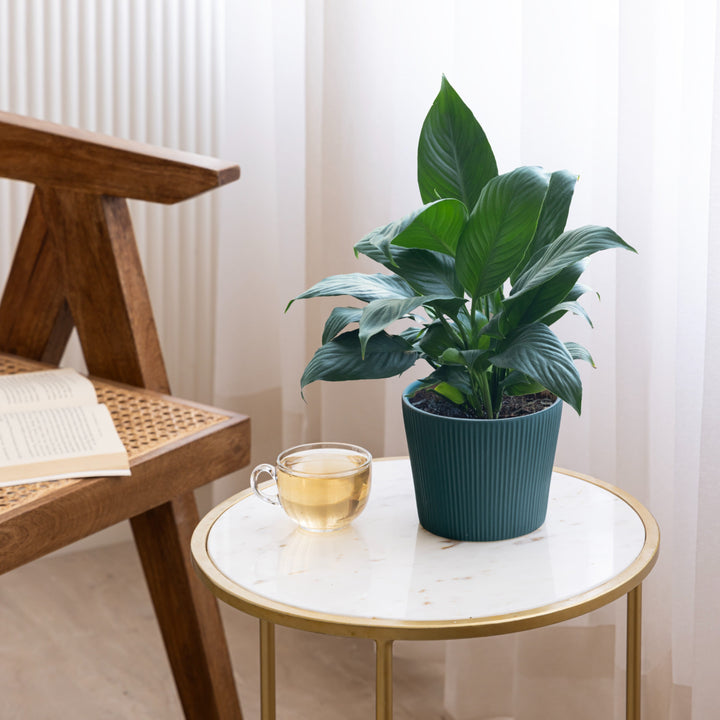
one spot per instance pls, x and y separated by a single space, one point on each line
475 278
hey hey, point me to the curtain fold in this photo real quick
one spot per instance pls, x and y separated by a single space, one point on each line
701 615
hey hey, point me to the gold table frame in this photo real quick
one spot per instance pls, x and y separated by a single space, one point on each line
384 632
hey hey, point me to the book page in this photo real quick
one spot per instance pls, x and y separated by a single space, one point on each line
47 388
59 442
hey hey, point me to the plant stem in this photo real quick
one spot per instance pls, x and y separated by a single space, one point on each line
498 375
452 332
481 387
467 340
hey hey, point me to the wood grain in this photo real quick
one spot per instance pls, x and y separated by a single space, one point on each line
35 320
162 537
105 286
43 153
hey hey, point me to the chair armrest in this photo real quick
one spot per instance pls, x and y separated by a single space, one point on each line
45 153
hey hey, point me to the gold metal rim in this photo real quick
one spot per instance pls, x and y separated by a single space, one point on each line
383 629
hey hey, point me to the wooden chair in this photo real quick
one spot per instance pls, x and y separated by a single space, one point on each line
77 265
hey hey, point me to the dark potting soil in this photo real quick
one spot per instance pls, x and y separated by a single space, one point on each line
512 405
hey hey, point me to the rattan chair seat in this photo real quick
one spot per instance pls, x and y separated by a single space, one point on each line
147 422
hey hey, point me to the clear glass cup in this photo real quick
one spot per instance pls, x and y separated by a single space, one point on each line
321 486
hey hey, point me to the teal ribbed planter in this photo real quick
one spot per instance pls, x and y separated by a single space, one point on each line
481 479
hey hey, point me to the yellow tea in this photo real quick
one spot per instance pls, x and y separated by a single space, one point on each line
323 488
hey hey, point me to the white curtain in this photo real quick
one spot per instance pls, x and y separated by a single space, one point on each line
325 102
321 103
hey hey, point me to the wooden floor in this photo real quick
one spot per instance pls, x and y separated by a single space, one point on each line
78 639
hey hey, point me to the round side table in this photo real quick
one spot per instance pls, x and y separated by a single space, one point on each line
387 579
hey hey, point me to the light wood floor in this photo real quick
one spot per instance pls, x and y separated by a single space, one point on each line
78 639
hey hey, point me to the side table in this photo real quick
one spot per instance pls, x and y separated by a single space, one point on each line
387 579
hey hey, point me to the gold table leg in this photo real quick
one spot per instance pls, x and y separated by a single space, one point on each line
267 670
383 680
634 641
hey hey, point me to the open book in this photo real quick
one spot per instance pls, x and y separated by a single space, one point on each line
52 427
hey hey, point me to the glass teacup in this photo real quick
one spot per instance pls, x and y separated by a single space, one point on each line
321 486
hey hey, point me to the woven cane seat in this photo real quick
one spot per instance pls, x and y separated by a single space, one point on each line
146 422
154 428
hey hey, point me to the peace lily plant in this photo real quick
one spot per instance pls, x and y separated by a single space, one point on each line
480 272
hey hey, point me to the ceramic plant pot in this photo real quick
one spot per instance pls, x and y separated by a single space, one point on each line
481 479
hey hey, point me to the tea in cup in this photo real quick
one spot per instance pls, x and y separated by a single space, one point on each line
321 486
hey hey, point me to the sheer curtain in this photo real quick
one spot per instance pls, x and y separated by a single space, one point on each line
324 105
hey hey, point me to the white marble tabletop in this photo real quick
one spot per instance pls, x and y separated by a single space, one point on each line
385 566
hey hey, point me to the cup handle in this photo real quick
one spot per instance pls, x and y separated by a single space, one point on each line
259 470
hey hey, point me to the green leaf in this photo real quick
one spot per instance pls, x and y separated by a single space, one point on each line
455 159
580 290
436 339
499 229
566 250
471 359
363 287
448 306
450 392
536 351
437 227
340 359
517 383
493 328
338 320
579 352
561 308
475 359
380 313
427 272
454 375
377 249
555 210
526 307
412 335
452 356
576 292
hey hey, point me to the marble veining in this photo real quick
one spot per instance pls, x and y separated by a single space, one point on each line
386 566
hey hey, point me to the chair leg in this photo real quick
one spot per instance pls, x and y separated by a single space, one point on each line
187 612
